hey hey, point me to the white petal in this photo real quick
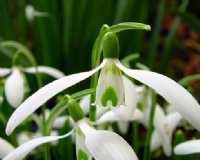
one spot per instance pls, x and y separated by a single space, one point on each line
15 88
189 147
20 152
173 120
175 94
126 112
29 12
159 116
80 145
123 127
46 70
23 137
138 116
109 116
42 95
61 120
105 145
110 83
85 104
4 71
163 129
5 148
155 141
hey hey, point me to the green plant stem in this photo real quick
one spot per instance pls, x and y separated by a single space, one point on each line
61 106
150 128
96 54
189 79
156 34
28 54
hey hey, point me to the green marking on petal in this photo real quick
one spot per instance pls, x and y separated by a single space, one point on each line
109 95
111 67
82 155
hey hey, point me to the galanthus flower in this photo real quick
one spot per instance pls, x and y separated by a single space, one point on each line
15 83
164 126
123 115
112 92
15 87
5 148
99 144
31 13
188 147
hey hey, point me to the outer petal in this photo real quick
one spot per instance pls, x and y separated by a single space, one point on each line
126 112
42 95
163 129
189 147
23 137
85 104
105 145
60 121
20 152
138 116
15 88
123 127
155 141
5 149
173 120
175 94
4 71
46 70
81 150
109 116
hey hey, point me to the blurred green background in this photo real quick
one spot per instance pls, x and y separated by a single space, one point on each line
64 39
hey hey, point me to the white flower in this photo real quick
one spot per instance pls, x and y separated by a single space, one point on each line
188 147
164 127
23 150
15 87
123 114
15 84
175 94
5 148
110 88
106 145
30 13
102 145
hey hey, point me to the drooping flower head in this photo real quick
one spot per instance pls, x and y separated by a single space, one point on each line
110 87
16 85
107 92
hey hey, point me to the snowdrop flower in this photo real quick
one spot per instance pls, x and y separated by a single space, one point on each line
30 13
188 147
5 148
15 87
164 126
15 84
112 92
124 114
102 145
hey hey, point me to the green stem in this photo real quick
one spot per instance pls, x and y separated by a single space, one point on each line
150 128
156 34
189 79
61 106
96 54
28 54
